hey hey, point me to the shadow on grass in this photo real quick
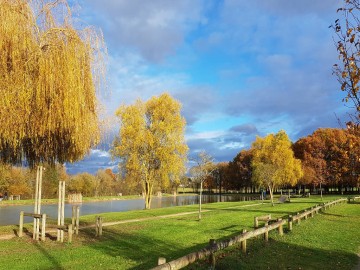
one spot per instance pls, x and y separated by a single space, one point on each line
354 202
262 211
280 255
51 259
141 249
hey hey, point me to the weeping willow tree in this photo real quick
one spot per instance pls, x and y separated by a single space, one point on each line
49 74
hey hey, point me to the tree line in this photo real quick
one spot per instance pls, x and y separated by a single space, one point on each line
21 181
330 161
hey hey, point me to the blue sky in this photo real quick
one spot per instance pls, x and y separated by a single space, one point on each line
240 68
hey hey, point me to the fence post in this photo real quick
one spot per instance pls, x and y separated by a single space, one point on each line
77 219
161 260
281 231
290 222
256 223
73 216
243 243
70 233
212 258
21 224
266 234
43 230
98 226
299 219
100 229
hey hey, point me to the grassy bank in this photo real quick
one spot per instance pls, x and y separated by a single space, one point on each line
138 245
330 240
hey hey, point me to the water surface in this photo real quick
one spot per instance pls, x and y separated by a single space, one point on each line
10 214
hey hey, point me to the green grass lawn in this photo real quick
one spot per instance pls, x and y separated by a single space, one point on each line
138 245
330 240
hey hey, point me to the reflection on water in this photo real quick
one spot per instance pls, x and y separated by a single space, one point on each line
10 214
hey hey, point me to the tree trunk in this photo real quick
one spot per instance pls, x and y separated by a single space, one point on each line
147 195
271 195
321 192
200 200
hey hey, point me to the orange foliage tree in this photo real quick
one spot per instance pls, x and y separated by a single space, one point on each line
347 30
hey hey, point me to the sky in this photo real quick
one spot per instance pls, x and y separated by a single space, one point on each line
240 68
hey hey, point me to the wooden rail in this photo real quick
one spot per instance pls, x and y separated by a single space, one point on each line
265 218
243 237
68 227
353 199
35 216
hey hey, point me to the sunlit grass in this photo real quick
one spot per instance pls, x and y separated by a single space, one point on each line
138 245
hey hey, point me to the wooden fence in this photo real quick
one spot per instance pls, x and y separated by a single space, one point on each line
353 199
244 236
35 216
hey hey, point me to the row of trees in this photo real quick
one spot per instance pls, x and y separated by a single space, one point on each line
21 181
269 164
328 158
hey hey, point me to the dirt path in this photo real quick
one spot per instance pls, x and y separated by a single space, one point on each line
10 236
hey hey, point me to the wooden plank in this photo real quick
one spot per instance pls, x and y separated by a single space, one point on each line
32 215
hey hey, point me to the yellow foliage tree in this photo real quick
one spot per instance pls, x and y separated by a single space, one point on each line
274 163
49 74
151 143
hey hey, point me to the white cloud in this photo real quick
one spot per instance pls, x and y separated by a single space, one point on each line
154 28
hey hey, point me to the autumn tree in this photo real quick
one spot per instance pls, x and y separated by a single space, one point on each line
274 163
106 183
222 176
311 151
83 183
331 157
241 171
203 170
53 174
4 177
49 73
347 31
151 143
18 182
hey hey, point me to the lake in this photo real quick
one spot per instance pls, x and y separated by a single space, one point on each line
9 215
